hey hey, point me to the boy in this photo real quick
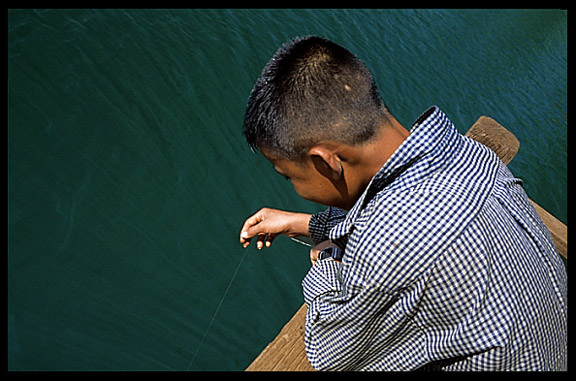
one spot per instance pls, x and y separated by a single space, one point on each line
440 261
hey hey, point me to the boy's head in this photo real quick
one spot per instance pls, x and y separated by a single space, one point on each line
316 114
312 90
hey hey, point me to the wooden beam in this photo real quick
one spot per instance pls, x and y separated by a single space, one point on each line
558 230
287 352
494 136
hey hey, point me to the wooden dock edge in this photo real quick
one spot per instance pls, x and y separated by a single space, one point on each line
287 352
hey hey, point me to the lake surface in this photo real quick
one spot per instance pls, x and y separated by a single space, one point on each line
129 178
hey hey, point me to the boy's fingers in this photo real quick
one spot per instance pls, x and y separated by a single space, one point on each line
244 233
270 239
260 241
249 233
244 236
252 227
265 240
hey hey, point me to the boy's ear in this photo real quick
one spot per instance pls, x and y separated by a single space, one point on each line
326 162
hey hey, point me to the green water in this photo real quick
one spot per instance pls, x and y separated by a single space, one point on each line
128 177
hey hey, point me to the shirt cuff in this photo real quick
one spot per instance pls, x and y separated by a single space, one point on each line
321 223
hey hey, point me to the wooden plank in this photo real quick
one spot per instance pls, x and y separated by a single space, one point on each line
287 352
494 136
558 230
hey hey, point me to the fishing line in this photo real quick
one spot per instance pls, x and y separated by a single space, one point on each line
217 310
301 242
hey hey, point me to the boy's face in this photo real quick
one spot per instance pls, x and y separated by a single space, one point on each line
309 181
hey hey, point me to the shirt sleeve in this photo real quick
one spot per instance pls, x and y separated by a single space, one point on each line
337 320
321 223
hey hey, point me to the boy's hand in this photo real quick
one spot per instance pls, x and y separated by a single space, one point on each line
268 223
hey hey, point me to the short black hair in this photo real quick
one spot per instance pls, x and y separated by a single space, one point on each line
312 90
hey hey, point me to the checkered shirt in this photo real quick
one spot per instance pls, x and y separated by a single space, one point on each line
446 266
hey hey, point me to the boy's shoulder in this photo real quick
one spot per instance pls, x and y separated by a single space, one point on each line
408 228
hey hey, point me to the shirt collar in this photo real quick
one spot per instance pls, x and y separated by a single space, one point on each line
429 136
431 141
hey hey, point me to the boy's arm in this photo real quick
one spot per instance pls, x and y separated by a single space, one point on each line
340 326
267 224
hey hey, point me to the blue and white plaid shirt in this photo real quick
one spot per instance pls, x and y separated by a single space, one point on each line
446 266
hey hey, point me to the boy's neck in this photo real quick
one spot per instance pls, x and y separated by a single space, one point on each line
365 161
384 146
